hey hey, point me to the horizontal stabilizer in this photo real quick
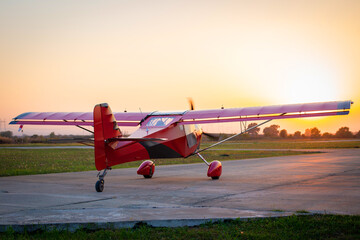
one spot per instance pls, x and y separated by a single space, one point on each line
135 139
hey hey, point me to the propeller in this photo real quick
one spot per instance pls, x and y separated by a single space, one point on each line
211 136
214 137
191 102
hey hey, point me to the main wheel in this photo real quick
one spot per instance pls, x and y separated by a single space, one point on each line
150 174
99 186
215 169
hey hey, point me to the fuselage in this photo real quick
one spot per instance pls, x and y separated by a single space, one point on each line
180 141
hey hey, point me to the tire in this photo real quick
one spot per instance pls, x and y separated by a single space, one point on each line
150 174
99 186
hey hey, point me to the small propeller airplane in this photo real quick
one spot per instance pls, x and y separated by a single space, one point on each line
167 134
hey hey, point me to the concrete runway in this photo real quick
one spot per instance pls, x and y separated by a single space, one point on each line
183 195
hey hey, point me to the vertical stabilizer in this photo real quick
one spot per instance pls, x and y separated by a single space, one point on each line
105 127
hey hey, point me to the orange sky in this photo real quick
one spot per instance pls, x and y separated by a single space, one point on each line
71 55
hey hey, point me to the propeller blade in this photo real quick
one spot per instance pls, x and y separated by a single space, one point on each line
212 136
191 102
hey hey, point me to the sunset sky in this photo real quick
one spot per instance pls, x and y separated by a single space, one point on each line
70 55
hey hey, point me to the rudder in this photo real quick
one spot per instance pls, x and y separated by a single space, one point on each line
105 127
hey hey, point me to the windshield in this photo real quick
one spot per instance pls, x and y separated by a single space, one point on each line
159 121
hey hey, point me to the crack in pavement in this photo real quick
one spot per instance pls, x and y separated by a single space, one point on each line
61 205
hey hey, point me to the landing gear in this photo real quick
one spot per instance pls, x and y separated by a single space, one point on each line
147 169
150 172
99 185
215 168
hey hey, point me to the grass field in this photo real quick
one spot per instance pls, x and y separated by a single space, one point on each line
39 161
293 227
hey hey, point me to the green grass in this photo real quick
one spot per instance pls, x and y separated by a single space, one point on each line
293 227
40 161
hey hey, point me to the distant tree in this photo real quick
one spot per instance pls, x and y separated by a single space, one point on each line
315 132
52 135
297 134
307 132
253 132
7 134
5 140
343 132
283 133
327 135
358 134
271 131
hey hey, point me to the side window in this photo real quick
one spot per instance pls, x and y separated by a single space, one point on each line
190 136
159 121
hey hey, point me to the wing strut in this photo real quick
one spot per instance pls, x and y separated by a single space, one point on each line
81 127
84 129
215 144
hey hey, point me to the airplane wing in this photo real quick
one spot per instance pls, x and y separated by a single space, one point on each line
193 116
268 112
75 118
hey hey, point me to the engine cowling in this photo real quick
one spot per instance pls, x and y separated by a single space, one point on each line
147 169
215 169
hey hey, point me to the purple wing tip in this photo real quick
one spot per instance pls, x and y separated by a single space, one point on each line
344 105
21 116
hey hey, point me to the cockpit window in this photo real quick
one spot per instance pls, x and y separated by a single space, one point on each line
159 121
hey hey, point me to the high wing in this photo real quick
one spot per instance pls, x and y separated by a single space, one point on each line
193 116
75 118
268 112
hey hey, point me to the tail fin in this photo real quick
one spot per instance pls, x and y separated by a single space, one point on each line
105 127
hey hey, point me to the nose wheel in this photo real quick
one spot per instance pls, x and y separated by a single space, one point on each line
99 185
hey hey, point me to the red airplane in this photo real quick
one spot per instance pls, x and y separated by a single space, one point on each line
166 134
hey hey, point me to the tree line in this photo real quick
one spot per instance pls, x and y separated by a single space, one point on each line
8 137
274 131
